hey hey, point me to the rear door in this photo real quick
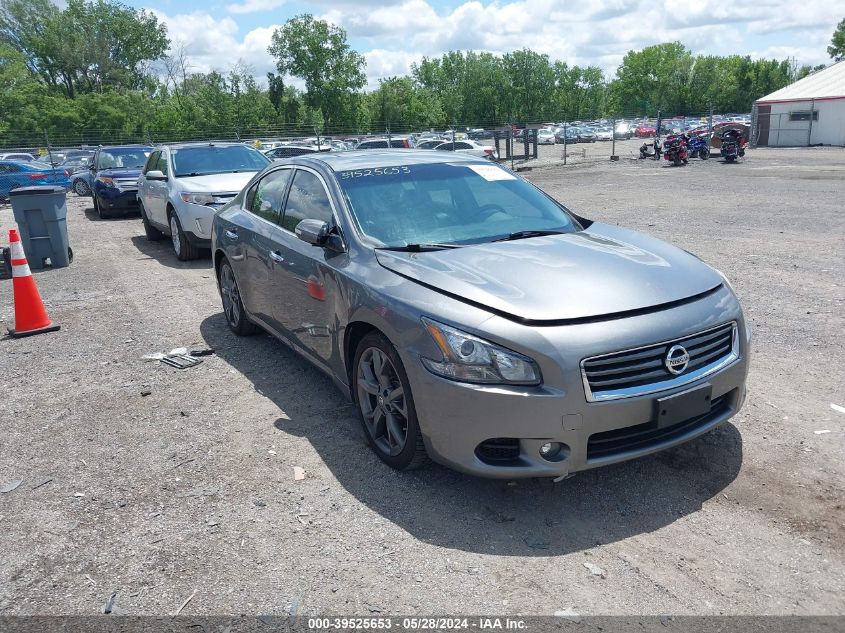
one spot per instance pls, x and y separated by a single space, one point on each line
303 286
259 236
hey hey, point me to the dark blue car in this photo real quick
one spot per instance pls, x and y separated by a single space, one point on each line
14 174
114 178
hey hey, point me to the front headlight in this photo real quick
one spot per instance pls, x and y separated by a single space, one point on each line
106 181
201 199
468 358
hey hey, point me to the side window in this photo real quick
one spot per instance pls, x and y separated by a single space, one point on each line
160 162
266 196
151 162
307 200
463 146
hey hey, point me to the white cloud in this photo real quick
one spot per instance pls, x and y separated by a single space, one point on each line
254 6
212 44
392 34
382 64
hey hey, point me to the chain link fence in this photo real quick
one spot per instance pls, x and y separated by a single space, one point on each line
519 144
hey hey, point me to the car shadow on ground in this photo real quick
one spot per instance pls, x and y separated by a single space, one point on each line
533 517
91 214
162 251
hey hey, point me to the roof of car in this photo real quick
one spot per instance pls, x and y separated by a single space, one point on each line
339 161
202 144
108 147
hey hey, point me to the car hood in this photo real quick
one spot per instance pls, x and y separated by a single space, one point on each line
598 272
215 182
119 173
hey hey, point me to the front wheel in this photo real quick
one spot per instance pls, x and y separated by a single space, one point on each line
181 246
81 188
385 404
233 307
153 234
98 208
704 154
676 161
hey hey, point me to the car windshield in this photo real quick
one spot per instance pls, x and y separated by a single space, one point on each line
447 203
129 158
211 159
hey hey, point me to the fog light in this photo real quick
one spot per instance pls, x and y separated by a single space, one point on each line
549 450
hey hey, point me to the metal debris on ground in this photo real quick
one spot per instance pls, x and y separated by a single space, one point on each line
109 606
298 473
822 432
10 485
177 357
836 407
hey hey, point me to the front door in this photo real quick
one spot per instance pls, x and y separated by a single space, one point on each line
304 284
155 198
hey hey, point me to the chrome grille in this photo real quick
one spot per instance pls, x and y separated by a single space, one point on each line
126 184
643 370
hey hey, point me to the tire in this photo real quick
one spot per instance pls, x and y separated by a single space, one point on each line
704 154
233 307
101 213
385 404
676 161
81 188
730 159
686 161
184 250
153 234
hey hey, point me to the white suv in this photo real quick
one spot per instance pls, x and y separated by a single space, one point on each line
183 185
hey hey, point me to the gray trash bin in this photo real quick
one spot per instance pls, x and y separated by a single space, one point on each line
41 215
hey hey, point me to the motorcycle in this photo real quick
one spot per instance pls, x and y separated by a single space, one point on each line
651 150
698 147
675 150
733 145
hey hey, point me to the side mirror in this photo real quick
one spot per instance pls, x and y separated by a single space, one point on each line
318 233
155 174
313 232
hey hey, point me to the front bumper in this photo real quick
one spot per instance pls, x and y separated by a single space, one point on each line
196 221
459 420
114 198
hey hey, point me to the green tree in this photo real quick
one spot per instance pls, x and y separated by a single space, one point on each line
319 54
837 43
89 46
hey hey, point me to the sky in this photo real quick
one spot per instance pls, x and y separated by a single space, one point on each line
392 34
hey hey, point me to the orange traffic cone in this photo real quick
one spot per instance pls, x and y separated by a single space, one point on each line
30 315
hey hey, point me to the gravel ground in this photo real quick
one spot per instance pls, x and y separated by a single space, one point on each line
191 488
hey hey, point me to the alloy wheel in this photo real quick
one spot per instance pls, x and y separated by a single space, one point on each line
231 295
80 187
174 234
381 398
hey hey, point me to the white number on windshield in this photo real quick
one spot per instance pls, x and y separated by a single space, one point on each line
378 171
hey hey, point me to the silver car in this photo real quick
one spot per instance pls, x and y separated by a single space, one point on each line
182 185
475 321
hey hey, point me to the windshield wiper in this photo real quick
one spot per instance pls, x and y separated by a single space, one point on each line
521 235
417 248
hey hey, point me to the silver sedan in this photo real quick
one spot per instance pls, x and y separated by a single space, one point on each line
475 321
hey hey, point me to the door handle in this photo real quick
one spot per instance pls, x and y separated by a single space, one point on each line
232 235
276 256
